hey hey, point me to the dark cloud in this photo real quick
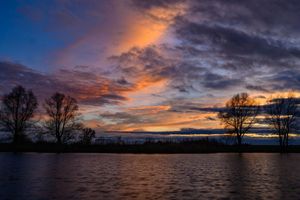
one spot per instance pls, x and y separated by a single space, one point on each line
184 105
123 81
207 109
250 40
14 74
256 15
87 87
155 3
230 41
216 81
257 88
122 117
211 118
285 80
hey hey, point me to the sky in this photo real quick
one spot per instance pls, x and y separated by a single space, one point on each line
159 65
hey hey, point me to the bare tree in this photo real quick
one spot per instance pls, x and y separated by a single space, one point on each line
16 112
87 135
281 116
239 115
62 119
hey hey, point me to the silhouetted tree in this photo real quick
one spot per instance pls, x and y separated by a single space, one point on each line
281 116
87 136
16 111
239 115
62 119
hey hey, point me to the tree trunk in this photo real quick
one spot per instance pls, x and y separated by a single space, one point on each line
281 143
286 142
239 139
16 137
59 140
280 140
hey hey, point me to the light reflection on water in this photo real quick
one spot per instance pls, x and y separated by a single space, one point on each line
128 176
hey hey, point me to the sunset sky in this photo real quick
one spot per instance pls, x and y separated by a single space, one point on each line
152 65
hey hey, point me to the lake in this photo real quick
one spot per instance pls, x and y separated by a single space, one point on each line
160 176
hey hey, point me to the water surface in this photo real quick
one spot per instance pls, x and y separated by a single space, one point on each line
128 176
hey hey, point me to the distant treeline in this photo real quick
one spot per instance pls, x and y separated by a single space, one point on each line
189 146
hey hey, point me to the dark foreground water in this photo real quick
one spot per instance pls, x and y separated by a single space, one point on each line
125 176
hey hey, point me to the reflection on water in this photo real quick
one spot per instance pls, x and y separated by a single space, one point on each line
125 176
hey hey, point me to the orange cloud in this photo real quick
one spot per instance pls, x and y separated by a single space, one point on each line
149 27
122 29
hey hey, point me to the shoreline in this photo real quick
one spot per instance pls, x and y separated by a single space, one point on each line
156 148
